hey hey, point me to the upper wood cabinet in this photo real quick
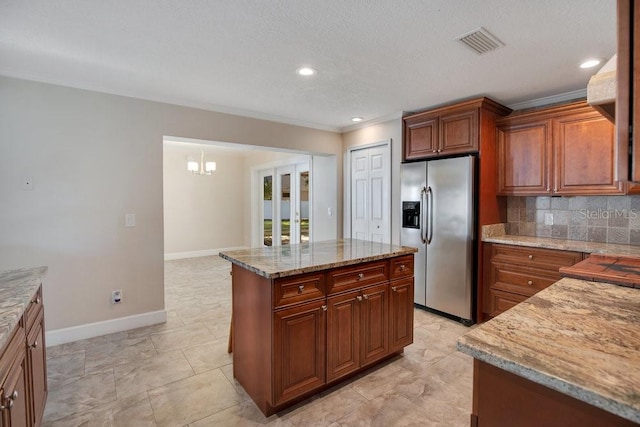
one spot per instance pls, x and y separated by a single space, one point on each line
564 150
446 131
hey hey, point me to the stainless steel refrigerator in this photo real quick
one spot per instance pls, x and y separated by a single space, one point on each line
438 219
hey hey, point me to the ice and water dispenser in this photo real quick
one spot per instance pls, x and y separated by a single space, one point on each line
410 214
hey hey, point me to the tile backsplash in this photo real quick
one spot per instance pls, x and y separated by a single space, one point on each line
606 219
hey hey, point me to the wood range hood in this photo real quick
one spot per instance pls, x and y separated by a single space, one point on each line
602 89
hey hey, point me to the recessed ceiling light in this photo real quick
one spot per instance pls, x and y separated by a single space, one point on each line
306 71
357 119
590 63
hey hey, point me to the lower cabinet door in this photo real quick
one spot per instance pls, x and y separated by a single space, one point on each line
343 334
401 312
299 350
15 412
37 365
374 323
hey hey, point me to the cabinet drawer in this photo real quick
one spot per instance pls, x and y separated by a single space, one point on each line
524 281
32 309
401 267
535 257
346 278
503 301
292 290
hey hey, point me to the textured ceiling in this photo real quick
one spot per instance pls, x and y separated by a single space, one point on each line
375 58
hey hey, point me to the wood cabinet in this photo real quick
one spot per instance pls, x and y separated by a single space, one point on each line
299 348
445 131
564 150
515 273
23 371
501 398
295 336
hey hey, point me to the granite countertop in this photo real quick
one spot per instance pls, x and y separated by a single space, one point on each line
17 287
496 234
577 337
287 260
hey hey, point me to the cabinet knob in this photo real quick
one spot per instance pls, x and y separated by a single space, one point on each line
439 150
300 289
14 396
530 256
9 400
365 296
360 276
394 289
34 345
36 301
530 283
359 298
434 151
402 267
324 308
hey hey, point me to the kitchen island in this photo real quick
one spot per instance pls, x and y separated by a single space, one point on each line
23 370
568 356
308 316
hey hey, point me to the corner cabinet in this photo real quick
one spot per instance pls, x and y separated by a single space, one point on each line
561 151
516 273
446 131
298 335
23 373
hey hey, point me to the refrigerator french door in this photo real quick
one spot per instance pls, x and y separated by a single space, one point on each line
438 219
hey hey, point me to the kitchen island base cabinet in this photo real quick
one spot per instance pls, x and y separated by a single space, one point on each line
501 398
294 337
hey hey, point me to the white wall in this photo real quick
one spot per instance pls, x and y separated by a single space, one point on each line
202 213
94 157
379 132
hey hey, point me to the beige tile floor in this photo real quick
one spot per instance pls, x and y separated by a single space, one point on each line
179 373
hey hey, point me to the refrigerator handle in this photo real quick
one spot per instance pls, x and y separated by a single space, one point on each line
430 208
423 200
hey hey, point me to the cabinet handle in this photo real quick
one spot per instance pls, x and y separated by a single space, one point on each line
360 276
530 283
394 289
530 256
359 298
324 308
10 400
365 296
34 345
300 289
402 267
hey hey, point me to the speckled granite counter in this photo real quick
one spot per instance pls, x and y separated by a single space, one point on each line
280 261
577 337
17 287
496 234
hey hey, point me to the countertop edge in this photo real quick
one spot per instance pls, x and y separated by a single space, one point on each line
13 319
551 381
612 249
310 269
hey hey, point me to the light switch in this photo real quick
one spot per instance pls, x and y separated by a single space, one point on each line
130 220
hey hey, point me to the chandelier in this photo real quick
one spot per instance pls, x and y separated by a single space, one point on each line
204 168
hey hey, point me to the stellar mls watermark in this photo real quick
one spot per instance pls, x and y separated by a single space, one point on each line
608 213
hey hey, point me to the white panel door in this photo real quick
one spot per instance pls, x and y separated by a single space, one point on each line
371 194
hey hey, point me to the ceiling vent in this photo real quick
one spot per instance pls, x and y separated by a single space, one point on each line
481 41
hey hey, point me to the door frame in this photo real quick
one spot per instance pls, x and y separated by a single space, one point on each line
346 221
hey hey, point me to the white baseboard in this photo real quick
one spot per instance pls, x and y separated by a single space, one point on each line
196 254
90 330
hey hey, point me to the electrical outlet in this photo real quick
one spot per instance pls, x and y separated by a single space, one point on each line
116 297
548 218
